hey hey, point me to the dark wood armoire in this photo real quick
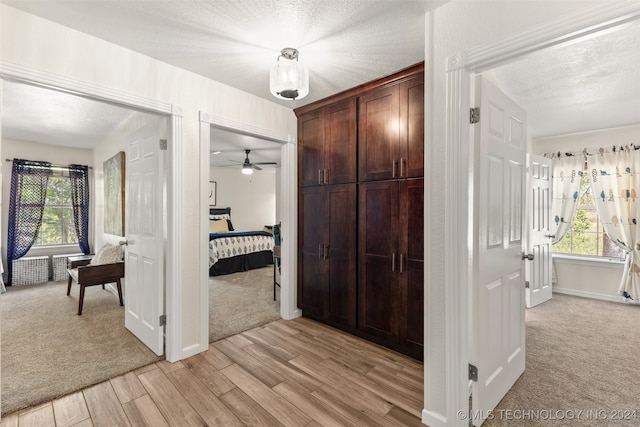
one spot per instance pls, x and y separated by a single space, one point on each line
361 210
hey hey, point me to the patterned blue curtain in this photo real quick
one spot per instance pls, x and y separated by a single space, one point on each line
79 176
29 181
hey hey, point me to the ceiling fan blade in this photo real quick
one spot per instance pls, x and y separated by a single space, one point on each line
258 168
265 163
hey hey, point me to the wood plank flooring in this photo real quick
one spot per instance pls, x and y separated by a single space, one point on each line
286 373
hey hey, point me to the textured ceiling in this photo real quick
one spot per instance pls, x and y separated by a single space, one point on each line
342 43
590 84
31 113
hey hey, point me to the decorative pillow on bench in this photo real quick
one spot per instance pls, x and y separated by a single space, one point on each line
108 254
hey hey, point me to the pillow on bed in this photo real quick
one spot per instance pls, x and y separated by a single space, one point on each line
219 216
218 226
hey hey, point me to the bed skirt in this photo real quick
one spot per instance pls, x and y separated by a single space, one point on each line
241 263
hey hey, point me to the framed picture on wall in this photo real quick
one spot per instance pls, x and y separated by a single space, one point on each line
114 187
212 193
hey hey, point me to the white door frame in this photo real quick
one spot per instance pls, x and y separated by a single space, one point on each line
173 174
288 214
460 69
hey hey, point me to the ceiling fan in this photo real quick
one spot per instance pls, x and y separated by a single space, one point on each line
248 167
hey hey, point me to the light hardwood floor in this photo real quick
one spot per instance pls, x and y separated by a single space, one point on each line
286 373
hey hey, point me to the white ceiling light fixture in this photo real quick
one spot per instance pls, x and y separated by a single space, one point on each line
247 169
289 79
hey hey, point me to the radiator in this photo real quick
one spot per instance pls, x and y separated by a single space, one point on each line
60 266
30 270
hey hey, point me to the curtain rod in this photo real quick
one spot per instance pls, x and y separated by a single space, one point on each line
52 165
585 152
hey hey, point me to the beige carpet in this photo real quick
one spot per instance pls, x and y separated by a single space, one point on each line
48 350
241 301
582 354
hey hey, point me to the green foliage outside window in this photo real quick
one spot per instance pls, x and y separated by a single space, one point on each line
57 226
586 235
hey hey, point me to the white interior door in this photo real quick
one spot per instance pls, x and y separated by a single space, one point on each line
498 332
539 268
144 286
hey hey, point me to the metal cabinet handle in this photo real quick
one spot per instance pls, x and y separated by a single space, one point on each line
326 176
320 247
394 169
393 262
401 169
527 256
319 176
401 263
325 254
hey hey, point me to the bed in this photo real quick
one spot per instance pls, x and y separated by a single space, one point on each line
233 251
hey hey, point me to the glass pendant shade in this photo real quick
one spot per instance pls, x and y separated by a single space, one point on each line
289 79
247 170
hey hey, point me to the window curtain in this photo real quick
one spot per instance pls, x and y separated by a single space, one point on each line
29 181
615 180
79 176
566 177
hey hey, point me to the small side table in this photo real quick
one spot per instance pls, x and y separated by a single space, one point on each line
79 260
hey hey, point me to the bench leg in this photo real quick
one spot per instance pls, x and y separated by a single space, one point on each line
120 292
69 286
81 300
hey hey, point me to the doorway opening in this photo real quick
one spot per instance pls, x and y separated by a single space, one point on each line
44 340
244 227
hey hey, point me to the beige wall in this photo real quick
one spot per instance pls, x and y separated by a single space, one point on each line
252 198
29 41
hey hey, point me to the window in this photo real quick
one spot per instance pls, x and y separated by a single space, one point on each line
586 235
57 226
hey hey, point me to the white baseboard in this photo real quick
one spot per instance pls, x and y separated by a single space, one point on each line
433 419
594 295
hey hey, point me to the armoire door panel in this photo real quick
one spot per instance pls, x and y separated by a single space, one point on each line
412 218
378 133
379 218
412 118
341 258
340 142
413 316
378 303
310 148
311 230
311 289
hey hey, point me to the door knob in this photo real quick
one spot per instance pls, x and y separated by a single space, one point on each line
123 243
551 236
527 256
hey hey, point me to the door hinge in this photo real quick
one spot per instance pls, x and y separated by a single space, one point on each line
474 115
163 320
526 284
473 373
163 144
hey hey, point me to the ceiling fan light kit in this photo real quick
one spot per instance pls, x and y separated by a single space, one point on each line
289 79
248 167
